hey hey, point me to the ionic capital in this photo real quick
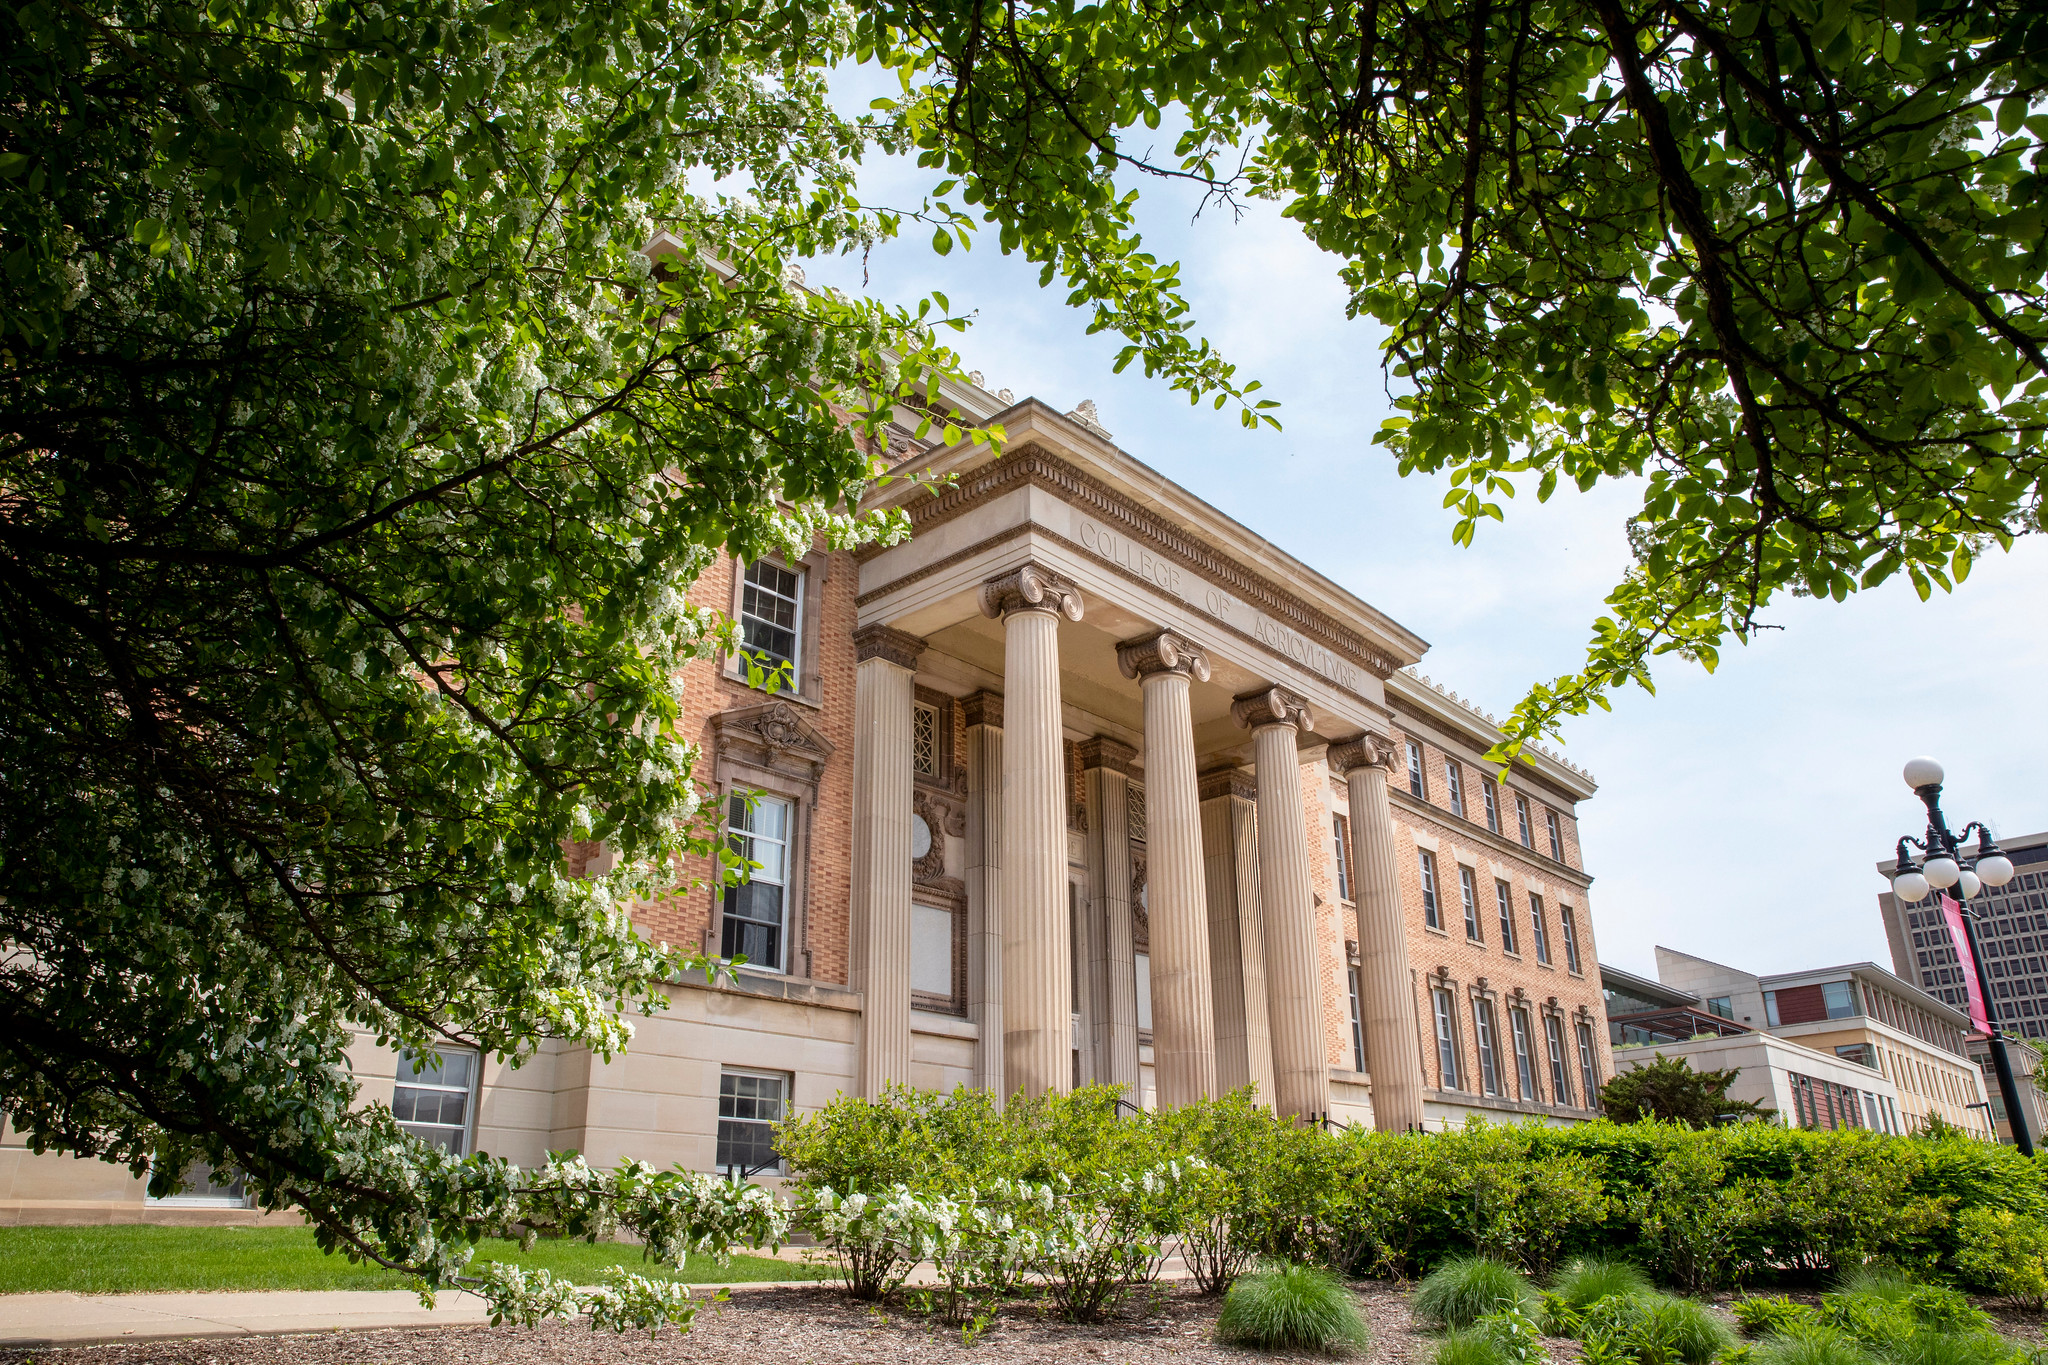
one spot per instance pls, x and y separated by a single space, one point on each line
1101 751
899 647
1365 751
1272 706
1031 587
1165 652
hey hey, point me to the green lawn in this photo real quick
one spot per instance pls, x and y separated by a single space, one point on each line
134 1258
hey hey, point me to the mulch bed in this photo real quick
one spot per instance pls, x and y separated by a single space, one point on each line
782 1326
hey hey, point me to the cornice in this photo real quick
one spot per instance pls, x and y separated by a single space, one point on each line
1030 466
1103 751
1226 782
886 642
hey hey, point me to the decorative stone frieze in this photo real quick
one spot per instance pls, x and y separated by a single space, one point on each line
1272 706
1031 587
898 647
775 736
1165 652
982 708
1228 782
1101 751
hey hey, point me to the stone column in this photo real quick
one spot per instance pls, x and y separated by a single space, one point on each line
881 850
1237 935
1183 1009
1294 996
1037 966
983 713
1388 1006
1112 971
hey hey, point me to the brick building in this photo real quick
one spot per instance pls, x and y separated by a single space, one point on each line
1083 782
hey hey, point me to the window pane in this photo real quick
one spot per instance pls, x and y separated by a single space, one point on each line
1470 894
768 612
749 1104
1144 965
1430 914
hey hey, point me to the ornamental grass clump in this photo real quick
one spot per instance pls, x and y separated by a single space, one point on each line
1289 1307
1811 1345
1466 1288
1589 1279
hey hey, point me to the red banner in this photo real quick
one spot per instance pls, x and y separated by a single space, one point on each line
1952 911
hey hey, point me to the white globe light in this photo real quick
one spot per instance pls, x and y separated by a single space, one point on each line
1969 885
1910 887
1995 870
1922 772
1941 872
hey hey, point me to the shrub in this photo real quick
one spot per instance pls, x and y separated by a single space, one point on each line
1289 1307
1653 1329
1945 1309
1587 1280
1465 1289
1772 1316
2003 1253
1812 1345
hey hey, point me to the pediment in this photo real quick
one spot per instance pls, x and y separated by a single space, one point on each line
774 734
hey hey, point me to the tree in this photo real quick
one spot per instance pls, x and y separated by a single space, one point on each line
1670 1090
1781 259
356 461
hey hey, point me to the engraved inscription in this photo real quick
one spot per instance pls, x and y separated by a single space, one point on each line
1163 573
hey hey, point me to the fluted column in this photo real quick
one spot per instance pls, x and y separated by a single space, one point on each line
1112 974
1037 963
1183 1001
983 713
1388 1009
1294 997
882 692
1237 935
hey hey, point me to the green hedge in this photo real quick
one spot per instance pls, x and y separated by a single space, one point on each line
1700 1209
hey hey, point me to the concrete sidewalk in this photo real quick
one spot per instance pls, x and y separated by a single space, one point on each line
31 1321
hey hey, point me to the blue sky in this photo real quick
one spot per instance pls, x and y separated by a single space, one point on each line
1739 813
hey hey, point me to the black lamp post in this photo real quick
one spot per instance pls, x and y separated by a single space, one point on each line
1947 865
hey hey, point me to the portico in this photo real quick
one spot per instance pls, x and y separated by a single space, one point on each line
1147 679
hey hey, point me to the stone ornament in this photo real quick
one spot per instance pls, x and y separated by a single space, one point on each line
1272 706
1165 652
899 647
983 708
939 817
1031 587
1101 751
1227 782
1365 751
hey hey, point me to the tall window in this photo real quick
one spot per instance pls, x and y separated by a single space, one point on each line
1431 915
1840 999
1469 891
1589 1066
1540 938
1454 783
1560 1078
1504 901
432 1100
1446 1039
1525 1054
750 1104
1416 785
1357 1026
1490 796
1522 820
1571 936
769 612
757 910
1556 831
1483 1035
1340 834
